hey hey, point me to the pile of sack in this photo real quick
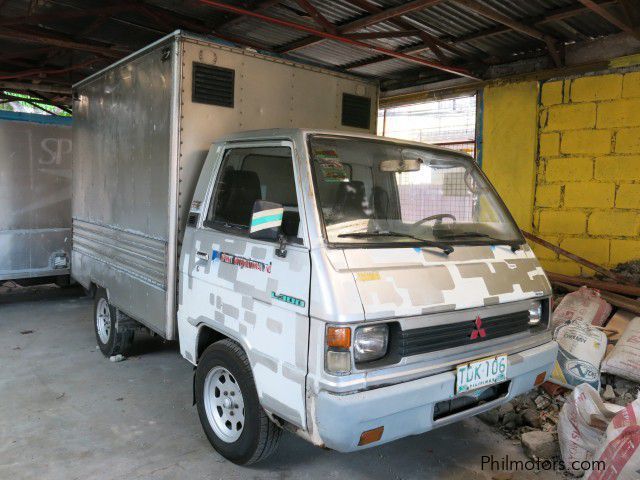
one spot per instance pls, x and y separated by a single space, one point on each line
591 343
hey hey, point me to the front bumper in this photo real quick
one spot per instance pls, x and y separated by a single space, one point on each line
408 408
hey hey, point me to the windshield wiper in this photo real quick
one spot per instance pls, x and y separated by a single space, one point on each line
442 246
514 244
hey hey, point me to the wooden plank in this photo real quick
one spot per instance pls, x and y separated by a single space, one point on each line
631 290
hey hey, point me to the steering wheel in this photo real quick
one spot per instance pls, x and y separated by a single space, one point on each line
437 217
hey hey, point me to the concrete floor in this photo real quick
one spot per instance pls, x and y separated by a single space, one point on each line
66 412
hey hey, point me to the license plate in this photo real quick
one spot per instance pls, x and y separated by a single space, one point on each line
481 373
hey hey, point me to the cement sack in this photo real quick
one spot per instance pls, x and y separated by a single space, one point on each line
584 305
619 452
581 426
582 348
624 359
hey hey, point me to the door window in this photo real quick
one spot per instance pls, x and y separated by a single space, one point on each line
250 174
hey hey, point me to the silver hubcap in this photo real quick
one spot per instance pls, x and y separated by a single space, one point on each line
224 404
103 320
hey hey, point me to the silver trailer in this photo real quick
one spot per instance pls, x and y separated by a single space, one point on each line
142 130
35 193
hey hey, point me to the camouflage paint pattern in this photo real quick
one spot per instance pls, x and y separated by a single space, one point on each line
237 301
403 282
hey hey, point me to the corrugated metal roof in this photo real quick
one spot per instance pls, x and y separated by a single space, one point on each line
466 38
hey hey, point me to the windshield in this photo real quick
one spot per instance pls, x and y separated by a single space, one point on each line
377 192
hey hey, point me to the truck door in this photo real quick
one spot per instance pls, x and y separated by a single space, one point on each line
254 295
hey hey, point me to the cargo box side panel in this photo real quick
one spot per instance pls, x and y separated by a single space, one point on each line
227 90
122 184
35 194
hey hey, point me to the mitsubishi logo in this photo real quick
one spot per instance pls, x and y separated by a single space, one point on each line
478 330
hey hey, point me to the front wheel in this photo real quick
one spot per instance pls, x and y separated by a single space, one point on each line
228 406
111 340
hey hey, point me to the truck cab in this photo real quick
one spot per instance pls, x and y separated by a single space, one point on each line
354 290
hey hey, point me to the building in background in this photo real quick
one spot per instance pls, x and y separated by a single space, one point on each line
450 123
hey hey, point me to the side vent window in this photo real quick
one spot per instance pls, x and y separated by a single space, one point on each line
356 111
213 85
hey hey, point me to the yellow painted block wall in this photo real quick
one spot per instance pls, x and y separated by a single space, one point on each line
510 141
587 197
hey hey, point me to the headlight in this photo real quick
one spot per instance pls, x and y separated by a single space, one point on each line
535 313
371 343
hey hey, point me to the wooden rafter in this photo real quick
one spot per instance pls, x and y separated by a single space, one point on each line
610 17
389 34
318 17
46 38
67 14
488 12
338 38
378 15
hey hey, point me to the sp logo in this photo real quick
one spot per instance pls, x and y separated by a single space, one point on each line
478 331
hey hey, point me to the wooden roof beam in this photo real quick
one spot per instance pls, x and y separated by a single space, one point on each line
550 41
378 15
61 42
611 18
318 18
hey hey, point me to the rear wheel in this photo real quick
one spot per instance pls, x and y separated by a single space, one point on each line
228 405
111 339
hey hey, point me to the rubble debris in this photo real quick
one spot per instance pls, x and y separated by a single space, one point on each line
553 389
531 418
608 393
585 306
629 271
542 402
117 358
624 359
582 348
539 444
490 417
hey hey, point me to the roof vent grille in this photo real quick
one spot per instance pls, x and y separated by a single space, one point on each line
213 85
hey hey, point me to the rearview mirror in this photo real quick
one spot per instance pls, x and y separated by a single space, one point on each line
401 165
266 220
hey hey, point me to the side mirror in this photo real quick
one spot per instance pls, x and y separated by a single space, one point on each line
266 220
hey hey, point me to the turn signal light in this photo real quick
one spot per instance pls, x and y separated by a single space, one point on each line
339 337
540 379
370 436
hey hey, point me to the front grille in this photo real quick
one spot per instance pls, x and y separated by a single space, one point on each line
459 334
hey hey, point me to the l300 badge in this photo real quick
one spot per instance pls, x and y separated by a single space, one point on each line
287 299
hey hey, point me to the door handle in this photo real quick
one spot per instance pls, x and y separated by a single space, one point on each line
202 256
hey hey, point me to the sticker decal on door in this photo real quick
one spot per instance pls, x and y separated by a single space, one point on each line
241 262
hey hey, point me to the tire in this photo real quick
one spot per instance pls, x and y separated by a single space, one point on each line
258 436
111 340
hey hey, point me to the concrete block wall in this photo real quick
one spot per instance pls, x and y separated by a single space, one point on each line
587 185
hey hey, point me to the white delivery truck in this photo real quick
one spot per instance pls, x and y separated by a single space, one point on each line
35 194
349 288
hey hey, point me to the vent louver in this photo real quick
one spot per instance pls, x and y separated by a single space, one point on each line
356 111
213 85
